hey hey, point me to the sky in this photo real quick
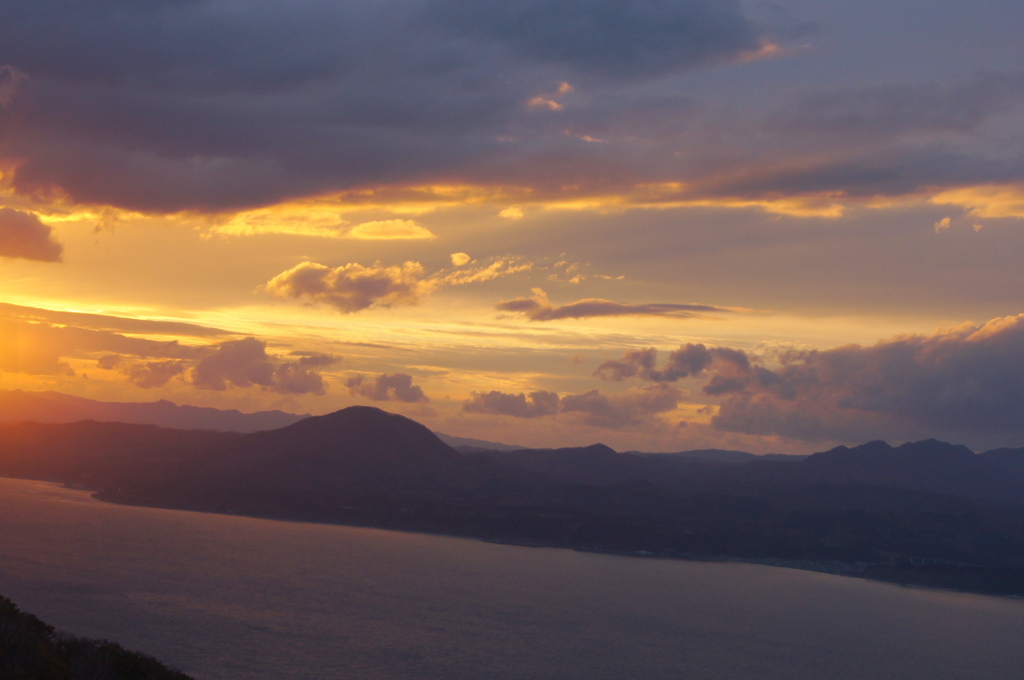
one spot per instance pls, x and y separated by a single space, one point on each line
657 224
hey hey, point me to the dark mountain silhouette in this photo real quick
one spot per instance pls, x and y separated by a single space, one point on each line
468 444
359 465
54 407
713 455
598 464
98 455
926 466
358 447
924 512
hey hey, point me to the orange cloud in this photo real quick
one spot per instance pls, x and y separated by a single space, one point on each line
353 287
986 201
389 230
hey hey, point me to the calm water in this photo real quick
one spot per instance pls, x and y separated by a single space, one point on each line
229 598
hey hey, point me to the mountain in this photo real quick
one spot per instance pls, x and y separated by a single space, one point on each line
54 407
710 455
357 446
928 465
98 455
924 512
356 465
468 444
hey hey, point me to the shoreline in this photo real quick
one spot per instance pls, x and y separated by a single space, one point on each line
830 567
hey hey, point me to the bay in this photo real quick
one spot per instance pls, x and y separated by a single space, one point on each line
235 598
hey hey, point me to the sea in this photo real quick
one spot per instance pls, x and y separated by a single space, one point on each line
234 598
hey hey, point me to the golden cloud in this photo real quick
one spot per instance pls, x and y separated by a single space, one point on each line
388 230
986 201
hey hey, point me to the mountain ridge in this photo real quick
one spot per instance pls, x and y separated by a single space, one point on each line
954 518
57 407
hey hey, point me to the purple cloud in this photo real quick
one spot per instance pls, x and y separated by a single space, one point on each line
387 387
23 235
540 308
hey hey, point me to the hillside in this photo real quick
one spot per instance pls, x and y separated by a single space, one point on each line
33 650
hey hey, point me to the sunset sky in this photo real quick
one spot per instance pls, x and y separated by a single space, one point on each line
657 224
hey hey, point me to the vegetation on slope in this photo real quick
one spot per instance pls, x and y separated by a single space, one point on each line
33 650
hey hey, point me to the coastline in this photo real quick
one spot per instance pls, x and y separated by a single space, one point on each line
872 571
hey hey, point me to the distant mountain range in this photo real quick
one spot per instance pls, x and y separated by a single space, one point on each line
55 407
924 512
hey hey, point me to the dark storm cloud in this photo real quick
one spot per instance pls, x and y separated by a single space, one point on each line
540 308
245 363
213 104
878 140
22 235
617 37
623 410
387 387
891 110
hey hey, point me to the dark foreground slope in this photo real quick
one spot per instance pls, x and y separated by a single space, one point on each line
33 650
926 512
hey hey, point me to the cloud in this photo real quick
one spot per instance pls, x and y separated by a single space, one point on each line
106 322
41 342
892 110
965 384
497 269
689 360
38 348
992 201
632 408
537 404
353 287
216 107
540 308
624 410
618 38
23 235
245 363
390 230
387 387
10 80
461 259
866 142
212 106
154 373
